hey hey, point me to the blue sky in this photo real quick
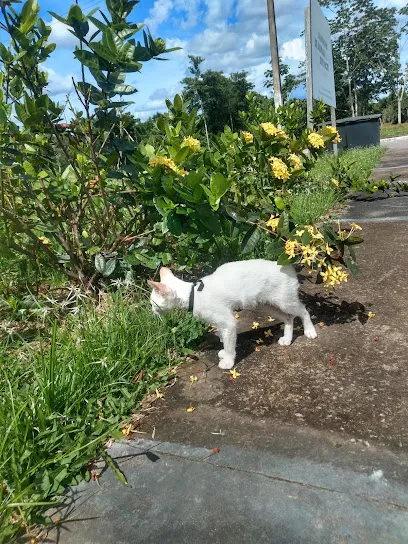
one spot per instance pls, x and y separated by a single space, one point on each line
232 35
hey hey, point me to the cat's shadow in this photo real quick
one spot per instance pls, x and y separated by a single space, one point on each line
323 309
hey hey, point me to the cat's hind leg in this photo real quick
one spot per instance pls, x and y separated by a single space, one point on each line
228 332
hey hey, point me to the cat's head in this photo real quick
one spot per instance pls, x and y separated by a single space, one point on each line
163 297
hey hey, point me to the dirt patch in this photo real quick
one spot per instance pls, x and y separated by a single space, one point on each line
352 380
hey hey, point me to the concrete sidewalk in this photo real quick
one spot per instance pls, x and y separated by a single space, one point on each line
182 494
395 161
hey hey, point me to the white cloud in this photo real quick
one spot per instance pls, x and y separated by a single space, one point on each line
61 35
158 14
191 10
57 83
218 11
293 50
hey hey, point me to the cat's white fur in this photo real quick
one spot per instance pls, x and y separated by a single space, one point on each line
253 285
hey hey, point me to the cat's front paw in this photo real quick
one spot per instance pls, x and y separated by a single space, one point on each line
284 341
226 363
311 333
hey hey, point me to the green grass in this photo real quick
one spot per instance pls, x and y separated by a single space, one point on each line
364 161
391 131
309 207
63 397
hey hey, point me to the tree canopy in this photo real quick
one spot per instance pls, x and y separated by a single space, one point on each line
220 98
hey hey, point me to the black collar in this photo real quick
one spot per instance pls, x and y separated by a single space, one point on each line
191 299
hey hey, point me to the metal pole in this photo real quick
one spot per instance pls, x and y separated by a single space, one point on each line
309 77
277 92
333 122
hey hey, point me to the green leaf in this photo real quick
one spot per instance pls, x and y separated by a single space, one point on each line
181 155
351 265
74 14
100 263
29 16
284 260
109 269
274 249
283 226
178 103
149 261
353 241
251 239
58 17
69 175
280 203
103 52
29 168
219 185
122 88
114 466
173 223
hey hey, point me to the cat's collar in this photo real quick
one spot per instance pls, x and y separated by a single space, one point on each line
191 299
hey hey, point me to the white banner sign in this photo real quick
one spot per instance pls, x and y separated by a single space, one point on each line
322 56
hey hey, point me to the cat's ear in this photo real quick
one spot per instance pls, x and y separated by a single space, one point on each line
165 273
160 288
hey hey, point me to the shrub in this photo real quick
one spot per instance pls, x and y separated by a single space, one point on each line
87 200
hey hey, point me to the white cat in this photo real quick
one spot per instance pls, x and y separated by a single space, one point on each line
253 285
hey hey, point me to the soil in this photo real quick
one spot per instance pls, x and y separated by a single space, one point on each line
352 380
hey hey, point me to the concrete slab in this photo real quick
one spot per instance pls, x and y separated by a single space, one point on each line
389 209
233 497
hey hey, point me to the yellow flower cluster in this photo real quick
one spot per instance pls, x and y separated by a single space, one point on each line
279 168
273 222
333 130
292 248
335 182
159 160
309 254
248 137
314 233
315 140
334 275
192 143
271 130
296 161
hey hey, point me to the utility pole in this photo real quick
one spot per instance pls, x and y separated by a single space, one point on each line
277 92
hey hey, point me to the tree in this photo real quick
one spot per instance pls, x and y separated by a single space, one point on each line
218 97
365 53
289 81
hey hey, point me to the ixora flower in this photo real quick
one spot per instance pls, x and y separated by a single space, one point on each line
309 254
296 161
279 168
192 143
315 140
271 130
273 222
333 130
291 248
159 160
248 136
334 275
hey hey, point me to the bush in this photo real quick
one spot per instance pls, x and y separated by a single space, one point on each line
85 199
